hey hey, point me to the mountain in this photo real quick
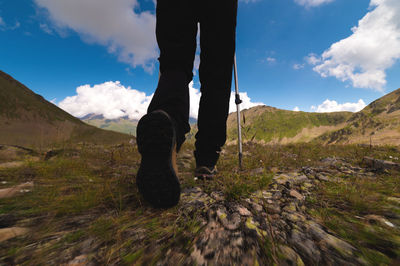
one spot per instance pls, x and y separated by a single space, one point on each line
122 125
378 123
269 124
27 119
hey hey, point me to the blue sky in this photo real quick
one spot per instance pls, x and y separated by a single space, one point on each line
312 55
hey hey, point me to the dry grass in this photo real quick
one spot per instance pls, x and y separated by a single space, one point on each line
88 193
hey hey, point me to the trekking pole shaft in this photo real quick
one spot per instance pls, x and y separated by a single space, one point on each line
238 101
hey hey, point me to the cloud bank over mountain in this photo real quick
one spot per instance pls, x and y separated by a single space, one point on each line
113 100
119 25
333 106
364 57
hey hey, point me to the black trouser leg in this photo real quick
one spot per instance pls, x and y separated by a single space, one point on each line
217 42
176 31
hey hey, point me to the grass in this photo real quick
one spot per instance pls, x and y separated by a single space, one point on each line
88 192
278 124
342 207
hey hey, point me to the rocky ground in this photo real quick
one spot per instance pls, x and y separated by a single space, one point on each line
288 216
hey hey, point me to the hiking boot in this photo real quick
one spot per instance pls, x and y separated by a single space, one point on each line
204 172
157 178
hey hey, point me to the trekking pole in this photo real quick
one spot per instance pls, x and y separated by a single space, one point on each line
238 101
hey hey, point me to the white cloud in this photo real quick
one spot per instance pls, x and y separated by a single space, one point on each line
374 47
332 106
44 27
113 100
116 24
312 59
2 22
298 66
271 59
246 102
110 99
195 95
296 109
312 3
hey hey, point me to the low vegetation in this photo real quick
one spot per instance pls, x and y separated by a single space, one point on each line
84 200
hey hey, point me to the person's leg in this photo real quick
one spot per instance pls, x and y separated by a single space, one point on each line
176 32
161 132
217 43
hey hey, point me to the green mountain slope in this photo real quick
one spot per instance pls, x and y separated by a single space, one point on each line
27 119
122 125
270 124
378 123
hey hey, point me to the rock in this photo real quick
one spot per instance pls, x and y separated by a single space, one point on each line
316 231
295 217
329 240
218 196
229 221
305 247
345 249
277 195
11 164
282 179
291 207
194 199
273 208
243 211
380 165
290 257
11 232
298 179
261 195
376 219
266 195
290 178
296 195
13 191
322 177
254 226
394 200
307 186
329 161
256 207
80 260
88 245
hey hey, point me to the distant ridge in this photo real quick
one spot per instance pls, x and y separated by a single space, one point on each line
27 119
123 124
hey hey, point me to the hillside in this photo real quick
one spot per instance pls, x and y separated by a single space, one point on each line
27 119
302 204
123 124
268 124
378 123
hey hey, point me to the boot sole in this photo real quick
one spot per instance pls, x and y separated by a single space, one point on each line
156 179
